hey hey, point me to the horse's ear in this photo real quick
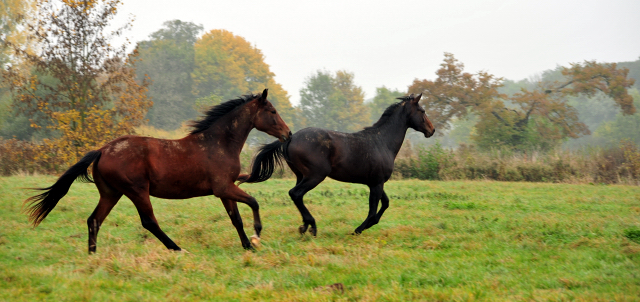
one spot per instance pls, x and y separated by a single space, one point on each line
417 99
263 97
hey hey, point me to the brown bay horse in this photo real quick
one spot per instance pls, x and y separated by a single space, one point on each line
365 157
205 162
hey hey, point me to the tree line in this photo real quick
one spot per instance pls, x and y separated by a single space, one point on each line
219 65
66 85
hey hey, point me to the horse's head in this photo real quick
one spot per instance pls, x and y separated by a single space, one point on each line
268 120
417 117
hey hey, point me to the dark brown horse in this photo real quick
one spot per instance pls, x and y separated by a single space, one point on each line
205 162
364 157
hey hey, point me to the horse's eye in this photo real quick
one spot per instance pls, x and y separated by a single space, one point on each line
273 111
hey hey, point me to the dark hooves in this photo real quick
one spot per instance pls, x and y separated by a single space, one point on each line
312 230
302 229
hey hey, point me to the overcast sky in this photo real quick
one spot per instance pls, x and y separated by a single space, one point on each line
391 43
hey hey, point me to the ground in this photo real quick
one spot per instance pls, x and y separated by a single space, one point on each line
461 240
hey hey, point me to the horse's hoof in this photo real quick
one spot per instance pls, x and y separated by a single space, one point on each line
313 231
302 229
255 241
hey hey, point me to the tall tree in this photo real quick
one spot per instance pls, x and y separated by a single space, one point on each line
383 99
14 16
333 102
540 117
79 85
228 66
168 60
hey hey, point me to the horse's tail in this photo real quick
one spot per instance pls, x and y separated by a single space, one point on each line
265 162
40 205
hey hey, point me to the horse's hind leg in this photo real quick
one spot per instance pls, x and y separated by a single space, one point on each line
106 203
108 199
297 194
375 194
149 222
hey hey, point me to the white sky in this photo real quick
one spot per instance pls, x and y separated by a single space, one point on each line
391 43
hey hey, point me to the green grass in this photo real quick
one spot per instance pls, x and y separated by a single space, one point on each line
438 241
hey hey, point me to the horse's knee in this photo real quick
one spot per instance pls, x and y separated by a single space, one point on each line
258 228
295 195
292 194
253 204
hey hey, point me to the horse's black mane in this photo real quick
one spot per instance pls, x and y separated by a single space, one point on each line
218 111
388 112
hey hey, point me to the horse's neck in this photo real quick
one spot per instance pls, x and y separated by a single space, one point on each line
231 130
392 134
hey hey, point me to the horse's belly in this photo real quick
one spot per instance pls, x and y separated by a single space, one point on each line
179 189
362 173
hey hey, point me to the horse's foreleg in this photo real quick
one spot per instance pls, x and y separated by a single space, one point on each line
383 207
232 210
106 203
375 193
236 194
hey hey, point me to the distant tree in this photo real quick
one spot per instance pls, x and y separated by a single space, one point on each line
540 117
78 85
623 127
333 102
14 16
634 70
168 59
228 66
384 97
204 103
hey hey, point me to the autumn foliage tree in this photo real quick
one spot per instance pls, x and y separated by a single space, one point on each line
228 66
77 85
14 15
540 117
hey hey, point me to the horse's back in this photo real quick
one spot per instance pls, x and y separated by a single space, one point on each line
310 147
349 157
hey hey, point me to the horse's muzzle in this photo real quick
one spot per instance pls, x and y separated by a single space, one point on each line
428 135
285 138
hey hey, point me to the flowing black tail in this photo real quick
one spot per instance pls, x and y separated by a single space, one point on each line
40 205
265 163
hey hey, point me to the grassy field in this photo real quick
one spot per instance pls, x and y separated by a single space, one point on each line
437 241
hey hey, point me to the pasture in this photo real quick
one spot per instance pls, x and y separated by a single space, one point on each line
458 240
